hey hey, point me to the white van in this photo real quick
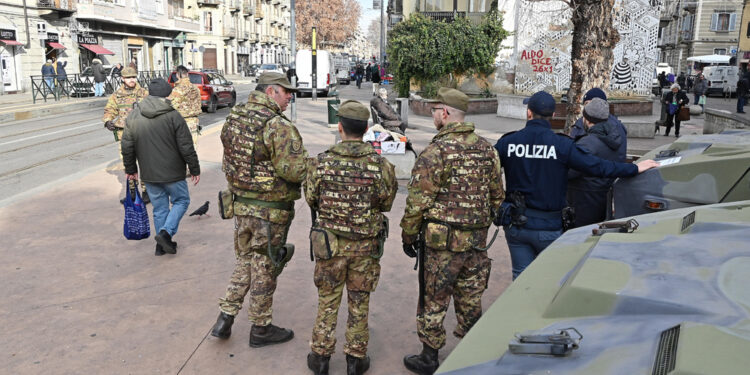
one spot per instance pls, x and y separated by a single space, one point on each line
722 80
326 81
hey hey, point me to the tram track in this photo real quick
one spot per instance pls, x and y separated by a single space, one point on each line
46 128
47 161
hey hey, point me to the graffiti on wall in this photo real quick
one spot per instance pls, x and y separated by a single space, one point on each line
544 37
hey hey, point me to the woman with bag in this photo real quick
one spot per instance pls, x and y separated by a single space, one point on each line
675 100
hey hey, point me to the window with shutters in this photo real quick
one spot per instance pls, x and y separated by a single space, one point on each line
720 51
207 22
723 21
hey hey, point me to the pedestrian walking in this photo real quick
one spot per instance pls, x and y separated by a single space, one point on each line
157 137
536 163
100 77
579 129
368 72
48 74
455 187
588 194
675 100
743 85
699 90
681 79
186 99
375 79
264 163
348 236
359 72
62 75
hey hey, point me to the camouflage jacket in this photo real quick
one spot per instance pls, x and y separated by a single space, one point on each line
456 180
186 99
350 185
264 158
121 102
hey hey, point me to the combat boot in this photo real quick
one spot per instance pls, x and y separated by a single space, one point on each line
223 326
269 335
357 366
425 363
318 363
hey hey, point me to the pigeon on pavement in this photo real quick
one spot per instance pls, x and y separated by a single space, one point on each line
202 210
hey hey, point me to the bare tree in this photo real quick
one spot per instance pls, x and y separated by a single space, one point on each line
336 21
594 40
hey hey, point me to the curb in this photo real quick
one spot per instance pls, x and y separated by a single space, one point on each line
29 111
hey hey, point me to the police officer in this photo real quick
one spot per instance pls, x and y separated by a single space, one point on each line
348 236
186 99
454 188
536 162
264 163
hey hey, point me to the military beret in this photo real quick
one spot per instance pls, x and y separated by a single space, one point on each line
453 98
354 110
275 78
129 73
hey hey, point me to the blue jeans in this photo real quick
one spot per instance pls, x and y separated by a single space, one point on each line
99 91
526 244
740 103
161 195
50 82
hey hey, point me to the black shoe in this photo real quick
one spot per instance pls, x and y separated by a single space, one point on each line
145 198
159 251
425 363
223 326
165 240
357 366
318 363
269 335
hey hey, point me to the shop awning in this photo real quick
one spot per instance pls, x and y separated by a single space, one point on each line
56 45
11 42
97 49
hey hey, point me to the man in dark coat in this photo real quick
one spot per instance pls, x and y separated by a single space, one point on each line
588 194
388 117
99 77
61 74
743 85
681 79
579 129
699 89
48 72
368 73
675 100
160 140
375 79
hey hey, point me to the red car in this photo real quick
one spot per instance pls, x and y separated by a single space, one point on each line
215 89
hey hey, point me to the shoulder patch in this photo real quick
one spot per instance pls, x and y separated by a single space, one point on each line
296 146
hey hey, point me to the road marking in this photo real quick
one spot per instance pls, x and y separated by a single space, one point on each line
50 133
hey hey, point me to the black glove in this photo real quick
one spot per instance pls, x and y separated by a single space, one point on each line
410 250
110 125
498 219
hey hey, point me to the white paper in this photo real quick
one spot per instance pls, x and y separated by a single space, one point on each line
670 161
393 147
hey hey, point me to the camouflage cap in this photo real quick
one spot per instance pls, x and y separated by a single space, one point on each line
274 78
129 73
453 98
354 110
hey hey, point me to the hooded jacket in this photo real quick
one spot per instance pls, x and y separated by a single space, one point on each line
159 139
98 69
587 194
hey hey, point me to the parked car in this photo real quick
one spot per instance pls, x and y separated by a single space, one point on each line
265 68
215 89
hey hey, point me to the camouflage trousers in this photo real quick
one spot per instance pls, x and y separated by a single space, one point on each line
253 269
360 274
193 123
464 277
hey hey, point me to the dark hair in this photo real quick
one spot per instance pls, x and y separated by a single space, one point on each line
536 116
182 70
261 87
354 128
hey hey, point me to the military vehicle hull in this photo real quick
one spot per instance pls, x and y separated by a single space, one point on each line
669 298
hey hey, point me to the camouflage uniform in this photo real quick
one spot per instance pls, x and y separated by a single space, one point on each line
350 186
454 188
264 163
186 99
119 105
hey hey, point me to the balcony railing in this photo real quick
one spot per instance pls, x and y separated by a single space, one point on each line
230 31
259 12
233 5
444 16
686 36
248 7
208 2
58 5
253 38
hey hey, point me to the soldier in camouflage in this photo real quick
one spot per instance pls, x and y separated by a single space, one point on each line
264 163
118 107
454 189
349 186
186 99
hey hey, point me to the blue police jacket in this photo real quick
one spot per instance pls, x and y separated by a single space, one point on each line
536 162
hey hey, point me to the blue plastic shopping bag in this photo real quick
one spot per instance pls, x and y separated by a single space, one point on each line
136 225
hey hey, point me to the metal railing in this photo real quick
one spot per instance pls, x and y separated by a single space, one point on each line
56 5
444 16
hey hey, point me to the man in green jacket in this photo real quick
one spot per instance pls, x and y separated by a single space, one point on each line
159 139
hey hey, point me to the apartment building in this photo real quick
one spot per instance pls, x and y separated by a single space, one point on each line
743 54
438 9
697 28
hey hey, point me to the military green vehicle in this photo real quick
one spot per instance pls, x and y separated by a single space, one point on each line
696 170
665 293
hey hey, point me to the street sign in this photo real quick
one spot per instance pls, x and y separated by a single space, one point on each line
41 29
201 49
376 4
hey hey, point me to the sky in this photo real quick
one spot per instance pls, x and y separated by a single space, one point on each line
368 15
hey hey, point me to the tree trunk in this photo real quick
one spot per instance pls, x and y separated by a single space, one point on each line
594 39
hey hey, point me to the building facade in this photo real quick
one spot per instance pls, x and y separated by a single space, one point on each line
152 35
698 28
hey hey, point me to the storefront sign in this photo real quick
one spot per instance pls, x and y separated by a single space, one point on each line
135 41
7 34
87 39
53 38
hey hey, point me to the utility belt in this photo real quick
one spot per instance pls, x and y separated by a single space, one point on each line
227 199
324 243
513 212
438 235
